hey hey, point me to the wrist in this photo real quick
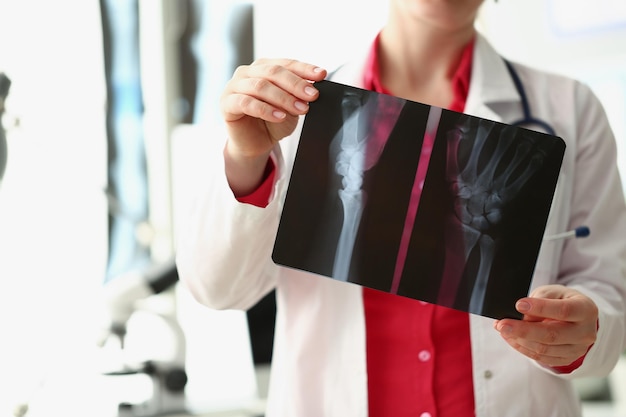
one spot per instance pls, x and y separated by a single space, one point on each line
244 172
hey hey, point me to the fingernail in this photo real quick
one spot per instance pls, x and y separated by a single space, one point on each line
310 90
279 114
522 306
317 70
505 329
301 106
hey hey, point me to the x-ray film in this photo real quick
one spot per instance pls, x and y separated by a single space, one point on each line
418 201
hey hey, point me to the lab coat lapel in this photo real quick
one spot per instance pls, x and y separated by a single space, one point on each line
492 94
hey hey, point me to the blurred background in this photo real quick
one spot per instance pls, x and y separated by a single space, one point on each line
109 105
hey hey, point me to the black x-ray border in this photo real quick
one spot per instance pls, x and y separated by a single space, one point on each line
448 238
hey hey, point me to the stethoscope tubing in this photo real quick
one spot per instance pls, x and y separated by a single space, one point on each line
528 118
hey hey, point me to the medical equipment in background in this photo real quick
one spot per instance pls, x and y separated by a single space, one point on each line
5 83
123 297
163 44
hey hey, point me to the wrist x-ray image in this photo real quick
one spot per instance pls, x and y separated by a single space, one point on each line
418 201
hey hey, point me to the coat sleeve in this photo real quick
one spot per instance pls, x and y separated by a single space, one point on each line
596 265
224 247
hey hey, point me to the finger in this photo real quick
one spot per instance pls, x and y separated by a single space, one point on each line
292 76
549 332
573 309
302 69
539 350
265 90
562 355
235 106
278 83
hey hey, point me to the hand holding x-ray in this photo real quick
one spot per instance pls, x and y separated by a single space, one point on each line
559 326
260 106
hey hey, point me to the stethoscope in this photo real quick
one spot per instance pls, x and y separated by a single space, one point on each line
527 121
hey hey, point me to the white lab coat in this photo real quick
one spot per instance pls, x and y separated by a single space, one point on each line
319 364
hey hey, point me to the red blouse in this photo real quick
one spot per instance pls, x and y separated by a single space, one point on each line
419 359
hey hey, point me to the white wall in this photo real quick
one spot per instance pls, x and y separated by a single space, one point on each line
324 32
582 39
53 226
550 33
